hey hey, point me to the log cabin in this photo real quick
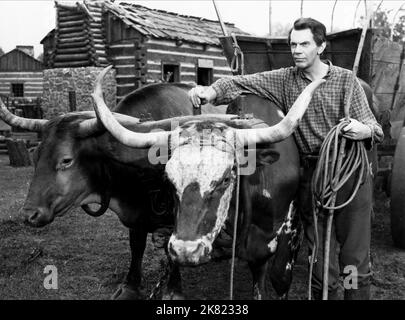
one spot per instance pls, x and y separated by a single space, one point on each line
21 75
144 45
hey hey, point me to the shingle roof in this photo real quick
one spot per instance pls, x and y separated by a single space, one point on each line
169 25
18 60
26 55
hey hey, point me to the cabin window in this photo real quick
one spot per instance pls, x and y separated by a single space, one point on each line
205 71
170 72
204 76
17 89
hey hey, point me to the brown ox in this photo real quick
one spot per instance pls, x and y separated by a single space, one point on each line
203 167
75 165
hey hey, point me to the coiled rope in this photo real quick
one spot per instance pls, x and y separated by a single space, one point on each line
334 168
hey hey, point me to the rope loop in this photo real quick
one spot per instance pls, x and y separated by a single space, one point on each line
336 165
237 55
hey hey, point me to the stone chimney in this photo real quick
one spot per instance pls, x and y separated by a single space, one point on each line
27 49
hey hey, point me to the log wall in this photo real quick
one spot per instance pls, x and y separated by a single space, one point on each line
72 39
79 38
188 55
139 59
33 83
129 60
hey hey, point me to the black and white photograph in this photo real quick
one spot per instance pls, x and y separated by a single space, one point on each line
213 151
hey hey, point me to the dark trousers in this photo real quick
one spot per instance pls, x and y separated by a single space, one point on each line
350 238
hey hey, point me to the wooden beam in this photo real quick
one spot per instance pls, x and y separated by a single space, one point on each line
69 7
122 51
99 43
98 36
70 23
73 44
70 29
71 57
95 24
76 39
71 18
73 35
99 46
101 54
82 63
73 50
125 71
67 13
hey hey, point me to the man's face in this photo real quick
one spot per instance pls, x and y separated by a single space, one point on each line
303 48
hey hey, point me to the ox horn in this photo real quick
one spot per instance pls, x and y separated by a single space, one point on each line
123 135
286 126
20 122
93 126
89 127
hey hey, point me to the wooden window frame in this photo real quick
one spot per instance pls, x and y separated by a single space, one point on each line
12 89
172 63
211 80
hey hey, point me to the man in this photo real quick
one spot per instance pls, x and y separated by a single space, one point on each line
351 230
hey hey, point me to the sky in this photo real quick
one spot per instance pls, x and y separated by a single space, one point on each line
26 22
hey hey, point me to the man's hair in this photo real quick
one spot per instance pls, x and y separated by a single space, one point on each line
317 28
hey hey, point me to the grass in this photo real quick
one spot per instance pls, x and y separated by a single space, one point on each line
92 255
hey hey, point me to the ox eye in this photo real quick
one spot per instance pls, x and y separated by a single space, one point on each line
65 163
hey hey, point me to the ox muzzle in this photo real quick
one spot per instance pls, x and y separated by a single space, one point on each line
37 217
189 252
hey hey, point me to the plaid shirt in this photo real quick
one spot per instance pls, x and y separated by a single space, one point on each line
283 87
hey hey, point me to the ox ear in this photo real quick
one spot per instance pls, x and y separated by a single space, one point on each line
266 156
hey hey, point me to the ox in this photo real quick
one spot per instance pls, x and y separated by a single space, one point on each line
203 168
75 165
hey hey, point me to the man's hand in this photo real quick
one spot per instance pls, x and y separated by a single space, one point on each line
356 130
201 94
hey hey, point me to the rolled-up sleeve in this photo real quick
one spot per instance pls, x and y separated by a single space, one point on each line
360 110
268 84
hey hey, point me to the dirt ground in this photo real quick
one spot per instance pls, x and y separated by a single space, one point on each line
92 255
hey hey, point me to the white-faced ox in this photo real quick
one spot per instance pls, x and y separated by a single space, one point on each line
76 165
203 168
